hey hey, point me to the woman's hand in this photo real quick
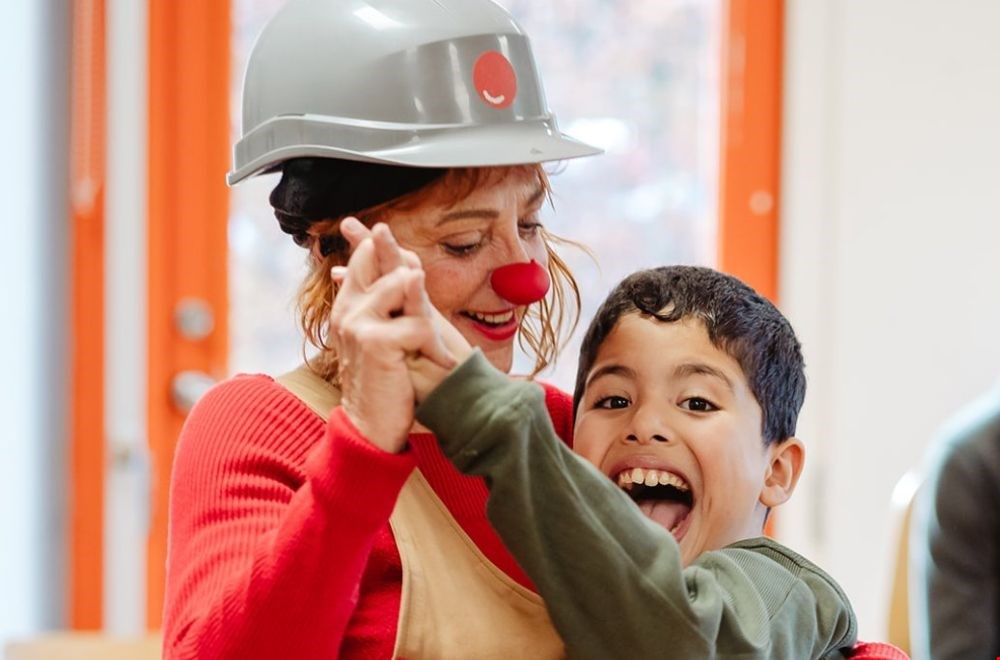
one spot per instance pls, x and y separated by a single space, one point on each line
381 315
426 373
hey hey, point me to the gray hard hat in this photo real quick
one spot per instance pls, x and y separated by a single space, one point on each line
424 83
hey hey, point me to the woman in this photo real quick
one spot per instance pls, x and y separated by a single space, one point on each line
301 528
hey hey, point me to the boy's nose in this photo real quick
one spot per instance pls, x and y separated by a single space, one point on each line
646 439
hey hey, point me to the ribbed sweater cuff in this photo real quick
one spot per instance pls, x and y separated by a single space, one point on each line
354 475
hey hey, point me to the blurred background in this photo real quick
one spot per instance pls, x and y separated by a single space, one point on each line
839 156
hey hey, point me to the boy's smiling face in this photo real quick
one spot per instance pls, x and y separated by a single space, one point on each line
663 406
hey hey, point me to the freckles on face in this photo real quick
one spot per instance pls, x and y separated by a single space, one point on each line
461 244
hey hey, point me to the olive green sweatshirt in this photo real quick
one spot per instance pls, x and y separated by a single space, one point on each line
612 579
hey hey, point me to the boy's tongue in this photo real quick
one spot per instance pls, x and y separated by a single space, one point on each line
665 513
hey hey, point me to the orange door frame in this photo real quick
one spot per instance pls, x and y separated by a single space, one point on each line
188 212
86 341
189 63
750 160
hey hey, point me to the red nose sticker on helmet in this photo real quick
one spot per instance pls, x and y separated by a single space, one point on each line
495 79
521 284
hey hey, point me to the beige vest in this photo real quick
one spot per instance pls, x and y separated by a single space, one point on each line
455 603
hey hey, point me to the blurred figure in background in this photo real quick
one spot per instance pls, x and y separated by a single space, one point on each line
955 541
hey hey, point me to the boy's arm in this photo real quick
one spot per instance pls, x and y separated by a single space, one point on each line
613 580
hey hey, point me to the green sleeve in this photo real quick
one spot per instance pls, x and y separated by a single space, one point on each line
612 579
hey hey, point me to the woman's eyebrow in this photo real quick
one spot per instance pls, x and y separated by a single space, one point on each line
487 214
609 370
700 368
535 196
465 214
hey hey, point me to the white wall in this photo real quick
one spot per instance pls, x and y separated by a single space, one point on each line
33 241
890 254
127 485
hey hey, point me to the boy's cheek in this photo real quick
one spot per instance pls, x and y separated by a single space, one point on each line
588 445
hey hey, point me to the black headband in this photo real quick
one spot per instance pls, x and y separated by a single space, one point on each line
313 189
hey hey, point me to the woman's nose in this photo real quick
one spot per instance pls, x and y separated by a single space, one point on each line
521 283
519 279
515 246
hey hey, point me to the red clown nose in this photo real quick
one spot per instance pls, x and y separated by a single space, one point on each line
521 284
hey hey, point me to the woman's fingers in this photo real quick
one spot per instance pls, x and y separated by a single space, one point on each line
398 300
367 264
391 254
383 282
392 341
355 232
387 251
411 259
385 298
362 269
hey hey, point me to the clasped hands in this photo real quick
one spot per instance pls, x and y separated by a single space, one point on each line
393 347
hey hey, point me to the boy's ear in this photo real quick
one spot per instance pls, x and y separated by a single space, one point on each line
786 459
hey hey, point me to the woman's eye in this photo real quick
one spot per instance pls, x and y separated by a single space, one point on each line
697 404
528 229
612 402
461 249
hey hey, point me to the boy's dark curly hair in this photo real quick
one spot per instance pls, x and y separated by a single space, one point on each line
738 320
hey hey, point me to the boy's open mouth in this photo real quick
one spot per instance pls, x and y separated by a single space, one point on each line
664 497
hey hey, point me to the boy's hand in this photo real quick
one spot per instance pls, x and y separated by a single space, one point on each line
426 375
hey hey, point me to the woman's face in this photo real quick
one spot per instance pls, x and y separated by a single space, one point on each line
460 245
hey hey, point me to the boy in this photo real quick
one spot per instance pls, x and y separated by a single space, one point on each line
687 394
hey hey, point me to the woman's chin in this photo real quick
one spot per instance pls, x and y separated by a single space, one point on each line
500 354
501 357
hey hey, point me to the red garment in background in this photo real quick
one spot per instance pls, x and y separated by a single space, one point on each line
877 651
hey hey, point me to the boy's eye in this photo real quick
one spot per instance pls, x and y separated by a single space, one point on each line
612 402
698 404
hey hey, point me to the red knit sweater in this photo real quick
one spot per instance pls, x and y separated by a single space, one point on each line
279 543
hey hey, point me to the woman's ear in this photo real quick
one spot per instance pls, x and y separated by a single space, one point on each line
786 459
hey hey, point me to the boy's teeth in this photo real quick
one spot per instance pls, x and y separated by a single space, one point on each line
494 319
650 477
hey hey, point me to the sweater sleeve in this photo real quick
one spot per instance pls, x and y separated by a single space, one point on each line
591 552
272 518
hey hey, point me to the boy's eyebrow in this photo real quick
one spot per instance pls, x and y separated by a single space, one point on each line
609 370
488 214
700 368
